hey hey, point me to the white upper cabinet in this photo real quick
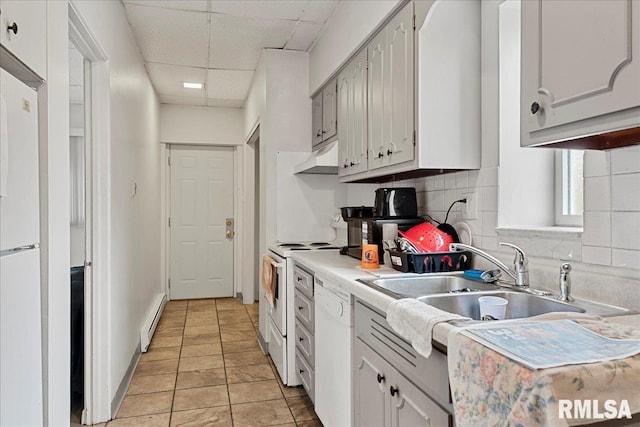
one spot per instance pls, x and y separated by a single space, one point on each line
316 120
580 69
23 30
324 115
377 114
329 111
390 92
352 116
399 88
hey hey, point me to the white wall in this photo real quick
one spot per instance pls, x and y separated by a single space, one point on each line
135 158
348 27
518 165
189 124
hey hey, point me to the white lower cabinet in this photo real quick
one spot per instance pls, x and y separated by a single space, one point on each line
384 397
392 385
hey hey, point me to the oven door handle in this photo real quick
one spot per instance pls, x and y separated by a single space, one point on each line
277 264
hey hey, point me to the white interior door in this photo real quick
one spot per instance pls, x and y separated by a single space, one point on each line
201 206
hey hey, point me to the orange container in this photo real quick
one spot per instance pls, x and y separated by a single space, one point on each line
370 257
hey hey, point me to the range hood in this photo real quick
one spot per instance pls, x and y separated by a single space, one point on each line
323 161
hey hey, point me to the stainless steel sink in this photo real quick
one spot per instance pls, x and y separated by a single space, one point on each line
417 286
520 304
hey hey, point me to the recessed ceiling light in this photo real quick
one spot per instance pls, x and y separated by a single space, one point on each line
188 85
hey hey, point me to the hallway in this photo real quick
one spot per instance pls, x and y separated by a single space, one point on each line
205 368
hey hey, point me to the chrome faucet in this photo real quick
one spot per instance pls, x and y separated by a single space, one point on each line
520 272
565 283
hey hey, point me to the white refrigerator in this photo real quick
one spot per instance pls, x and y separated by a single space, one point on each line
20 304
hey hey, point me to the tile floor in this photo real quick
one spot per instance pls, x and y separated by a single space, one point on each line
204 368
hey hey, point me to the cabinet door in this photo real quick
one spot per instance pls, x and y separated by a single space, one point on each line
410 406
399 88
352 115
329 111
371 389
316 119
359 112
377 114
345 131
580 60
27 37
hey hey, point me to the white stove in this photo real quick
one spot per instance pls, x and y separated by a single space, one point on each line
277 322
285 249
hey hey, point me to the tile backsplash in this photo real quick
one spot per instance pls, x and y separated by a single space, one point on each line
608 246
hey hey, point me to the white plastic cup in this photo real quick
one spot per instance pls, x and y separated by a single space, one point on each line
495 307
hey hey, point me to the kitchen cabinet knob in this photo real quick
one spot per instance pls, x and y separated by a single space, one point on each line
318 134
393 390
352 164
380 155
300 339
301 371
300 307
345 166
389 152
299 279
13 28
380 378
535 107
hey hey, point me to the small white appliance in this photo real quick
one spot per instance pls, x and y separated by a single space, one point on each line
277 330
333 327
20 304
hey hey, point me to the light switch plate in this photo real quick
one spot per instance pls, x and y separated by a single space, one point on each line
470 209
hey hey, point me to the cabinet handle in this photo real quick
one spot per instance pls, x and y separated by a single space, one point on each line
300 339
345 166
380 379
300 307
389 152
535 107
324 131
393 390
299 279
13 28
380 155
318 134
301 371
352 164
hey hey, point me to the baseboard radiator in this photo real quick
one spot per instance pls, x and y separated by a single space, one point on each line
151 323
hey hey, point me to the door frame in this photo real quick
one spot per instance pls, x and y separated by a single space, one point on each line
238 203
97 359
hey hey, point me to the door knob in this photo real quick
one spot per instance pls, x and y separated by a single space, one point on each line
13 28
535 107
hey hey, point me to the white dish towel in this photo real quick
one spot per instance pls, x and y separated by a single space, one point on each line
414 321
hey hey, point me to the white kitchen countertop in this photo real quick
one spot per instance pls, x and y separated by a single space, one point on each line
343 271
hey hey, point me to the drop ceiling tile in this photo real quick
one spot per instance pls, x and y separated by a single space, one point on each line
236 43
168 79
228 84
170 36
228 103
182 100
260 9
196 5
318 11
304 34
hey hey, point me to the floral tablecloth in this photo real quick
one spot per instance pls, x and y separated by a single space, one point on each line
489 389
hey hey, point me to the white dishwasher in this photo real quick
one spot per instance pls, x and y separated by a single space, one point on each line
332 354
